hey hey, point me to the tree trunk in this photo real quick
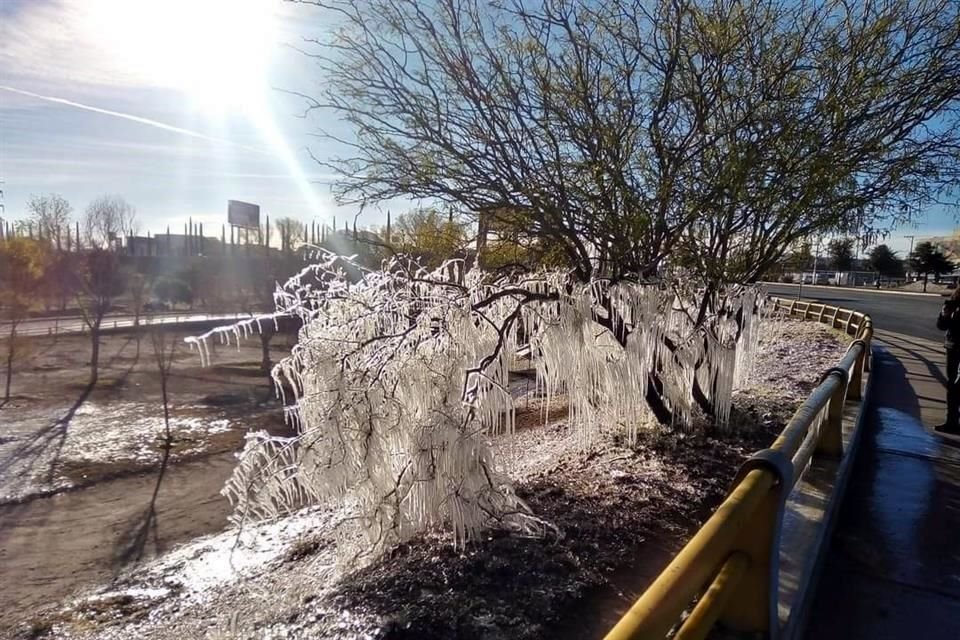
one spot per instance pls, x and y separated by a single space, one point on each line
11 350
137 311
655 401
94 352
266 332
654 396
925 282
166 404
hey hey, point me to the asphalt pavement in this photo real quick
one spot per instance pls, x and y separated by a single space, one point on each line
912 315
69 325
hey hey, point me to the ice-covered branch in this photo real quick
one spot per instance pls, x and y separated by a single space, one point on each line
401 375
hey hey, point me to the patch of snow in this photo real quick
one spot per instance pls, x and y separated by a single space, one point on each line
215 560
95 434
138 593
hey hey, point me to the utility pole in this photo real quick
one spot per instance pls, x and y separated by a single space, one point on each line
816 259
910 251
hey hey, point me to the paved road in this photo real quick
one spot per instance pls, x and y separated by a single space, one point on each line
48 326
910 315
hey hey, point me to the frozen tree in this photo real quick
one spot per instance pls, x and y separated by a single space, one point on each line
401 374
647 140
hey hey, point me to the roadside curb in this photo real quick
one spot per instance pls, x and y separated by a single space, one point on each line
880 292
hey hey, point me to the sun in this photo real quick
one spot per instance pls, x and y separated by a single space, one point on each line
216 52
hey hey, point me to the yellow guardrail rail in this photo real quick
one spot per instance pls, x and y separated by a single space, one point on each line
730 566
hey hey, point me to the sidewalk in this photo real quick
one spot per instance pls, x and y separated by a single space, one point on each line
893 571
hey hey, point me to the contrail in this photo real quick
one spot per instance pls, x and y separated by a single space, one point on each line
133 118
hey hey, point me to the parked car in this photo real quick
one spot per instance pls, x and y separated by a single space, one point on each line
819 278
156 305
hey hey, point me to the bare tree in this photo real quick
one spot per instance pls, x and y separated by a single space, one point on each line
108 220
50 215
164 351
618 130
291 233
270 273
99 282
830 117
697 138
133 542
494 109
59 283
139 286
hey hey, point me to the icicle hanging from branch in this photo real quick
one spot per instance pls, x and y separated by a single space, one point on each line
400 374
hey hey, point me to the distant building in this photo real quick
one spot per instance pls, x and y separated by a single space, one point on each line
173 244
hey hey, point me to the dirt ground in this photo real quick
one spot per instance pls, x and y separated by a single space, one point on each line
620 512
88 479
58 433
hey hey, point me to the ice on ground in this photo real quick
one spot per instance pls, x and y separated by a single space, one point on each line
792 354
236 553
221 582
193 576
133 592
37 446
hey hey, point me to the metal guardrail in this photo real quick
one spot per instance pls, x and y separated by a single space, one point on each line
729 570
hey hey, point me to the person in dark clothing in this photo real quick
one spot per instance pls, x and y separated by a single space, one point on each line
949 321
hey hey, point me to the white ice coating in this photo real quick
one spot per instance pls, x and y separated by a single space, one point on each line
400 375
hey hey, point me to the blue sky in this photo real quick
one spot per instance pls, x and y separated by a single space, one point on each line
182 136
197 112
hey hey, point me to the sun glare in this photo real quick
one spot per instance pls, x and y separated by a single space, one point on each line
215 51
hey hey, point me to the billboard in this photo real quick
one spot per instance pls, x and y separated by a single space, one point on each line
243 214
